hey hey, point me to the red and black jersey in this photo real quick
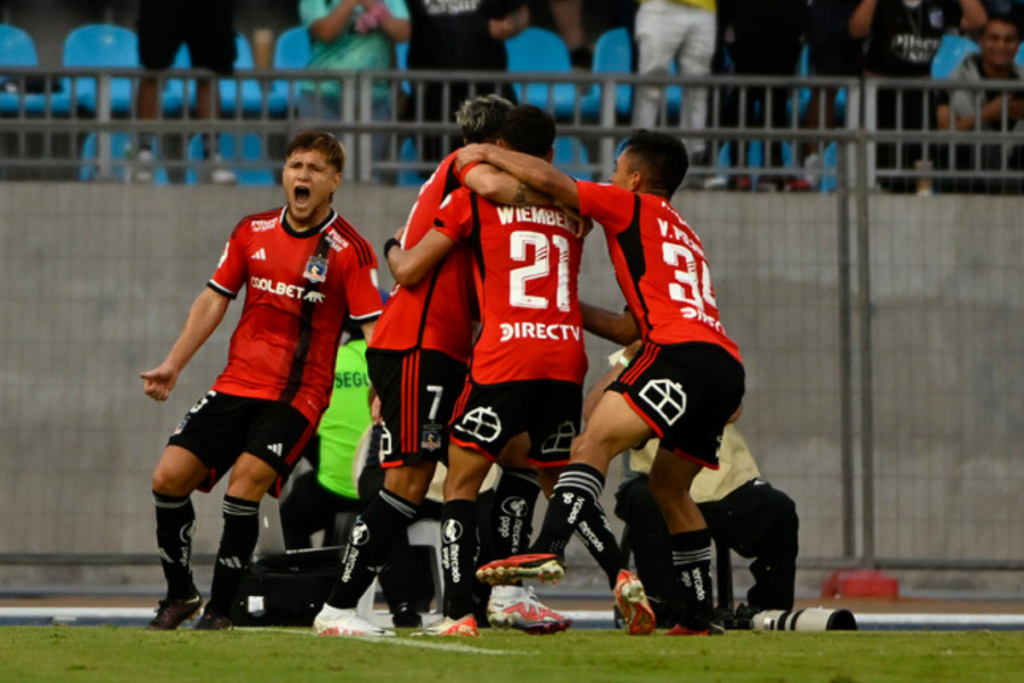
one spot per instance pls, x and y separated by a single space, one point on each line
300 286
436 313
660 265
527 263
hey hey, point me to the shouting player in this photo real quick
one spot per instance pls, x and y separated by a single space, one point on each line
683 386
305 268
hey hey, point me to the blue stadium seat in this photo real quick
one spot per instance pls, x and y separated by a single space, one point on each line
409 177
174 88
613 54
227 146
100 45
540 50
571 158
402 64
120 148
951 52
292 52
18 49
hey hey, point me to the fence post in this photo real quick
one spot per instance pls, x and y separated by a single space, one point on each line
864 342
846 436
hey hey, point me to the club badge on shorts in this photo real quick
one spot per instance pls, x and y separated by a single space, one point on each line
431 440
316 269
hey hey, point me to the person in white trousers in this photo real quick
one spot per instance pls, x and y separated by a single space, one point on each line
668 30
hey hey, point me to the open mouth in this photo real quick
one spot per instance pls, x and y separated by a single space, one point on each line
301 193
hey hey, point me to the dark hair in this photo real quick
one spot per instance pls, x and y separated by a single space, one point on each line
481 117
320 141
1002 18
529 129
662 159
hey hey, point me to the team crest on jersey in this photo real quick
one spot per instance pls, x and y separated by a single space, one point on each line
316 269
431 440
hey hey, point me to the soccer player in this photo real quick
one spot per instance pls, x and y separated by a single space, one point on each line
417 362
305 268
528 362
682 388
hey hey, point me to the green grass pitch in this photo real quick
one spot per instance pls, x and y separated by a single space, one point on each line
111 654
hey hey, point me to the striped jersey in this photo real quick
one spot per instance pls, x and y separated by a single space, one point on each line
436 313
660 265
299 286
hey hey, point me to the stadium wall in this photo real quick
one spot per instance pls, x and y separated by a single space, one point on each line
97 281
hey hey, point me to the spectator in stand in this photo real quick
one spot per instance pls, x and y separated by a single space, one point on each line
986 110
468 35
903 39
352 35
767 42
683 31
163 28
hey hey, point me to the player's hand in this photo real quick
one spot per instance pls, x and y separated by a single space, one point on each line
400 232
375 411
583 225
160 381
470 154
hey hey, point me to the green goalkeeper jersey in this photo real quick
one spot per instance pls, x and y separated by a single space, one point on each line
345 420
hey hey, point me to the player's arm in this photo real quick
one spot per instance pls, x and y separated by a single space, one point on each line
368 329
620 328
535 172
410 266
499 187
207 311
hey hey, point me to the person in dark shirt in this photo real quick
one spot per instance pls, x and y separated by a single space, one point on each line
903 37
458 35
990 110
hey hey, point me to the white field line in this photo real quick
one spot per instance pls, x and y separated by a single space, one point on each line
425 643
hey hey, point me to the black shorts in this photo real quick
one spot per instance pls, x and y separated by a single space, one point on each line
488 416
220 427
206 26
417 392
686 393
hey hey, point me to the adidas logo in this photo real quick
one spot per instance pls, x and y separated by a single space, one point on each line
260 255
276 448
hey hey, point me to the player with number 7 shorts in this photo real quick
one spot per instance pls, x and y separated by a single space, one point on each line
683 386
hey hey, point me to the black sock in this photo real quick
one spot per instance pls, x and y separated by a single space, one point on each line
237 541
459 547
691 557
597 536
512 511
175 526
369 543
578 487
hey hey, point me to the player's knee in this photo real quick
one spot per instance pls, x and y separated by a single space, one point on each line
169 483
410 482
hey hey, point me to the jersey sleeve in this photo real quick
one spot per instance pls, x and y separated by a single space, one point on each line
607 204
421 218
455 218
233 266
362 291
